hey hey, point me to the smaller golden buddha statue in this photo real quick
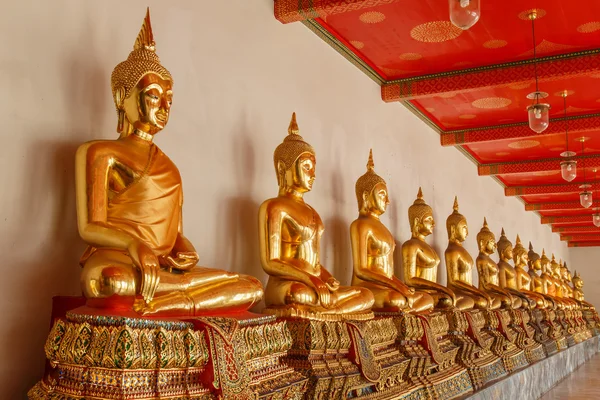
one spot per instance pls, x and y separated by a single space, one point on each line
549 287
129 208
506 272
578 292
373 250
537 283
290 234
459 263
420 260
488 270
566 279
523 279
558 283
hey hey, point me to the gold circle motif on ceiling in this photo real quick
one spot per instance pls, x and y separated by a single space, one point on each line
523 144
467 116
410 56
495 44
372 17
589 27
357 44
520 85
435 32
491 102
524 15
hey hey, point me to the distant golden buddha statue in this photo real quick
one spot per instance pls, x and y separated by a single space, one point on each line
578 291
566 279
421 260
523 279
537 282
488 270
506 272
129 208
373 250
290 235
459 263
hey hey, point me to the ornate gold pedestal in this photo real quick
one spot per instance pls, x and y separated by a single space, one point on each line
566 327
474 348
114 357
542 330
496 326
524 336
592 321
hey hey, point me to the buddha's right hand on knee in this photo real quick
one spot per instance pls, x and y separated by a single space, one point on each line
322 291
144 258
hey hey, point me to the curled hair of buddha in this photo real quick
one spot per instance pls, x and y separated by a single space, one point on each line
367 182
291 148
141 61
419 209
503 243
518 251
533 256
455 218
485 235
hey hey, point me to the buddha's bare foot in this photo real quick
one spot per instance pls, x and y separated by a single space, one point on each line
143 308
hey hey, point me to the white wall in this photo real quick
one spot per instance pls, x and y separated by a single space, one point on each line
585 260
238 76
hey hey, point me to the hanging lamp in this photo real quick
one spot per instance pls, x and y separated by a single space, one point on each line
538 113
464 13
568 167
585 196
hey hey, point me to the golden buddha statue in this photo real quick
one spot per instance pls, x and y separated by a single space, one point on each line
459 263
290 235
558 283
523 279
549 287
129 208
578 292
566 279
537 283
373 250
506 272
421 261
488 270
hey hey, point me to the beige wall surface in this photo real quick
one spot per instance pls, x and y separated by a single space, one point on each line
238 74
586 261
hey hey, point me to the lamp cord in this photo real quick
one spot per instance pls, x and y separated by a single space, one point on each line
566 123
537 88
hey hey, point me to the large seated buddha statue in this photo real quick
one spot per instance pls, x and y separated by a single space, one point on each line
506 272
488 269
523 279
373 250
420 260
290 235
459 263
129 208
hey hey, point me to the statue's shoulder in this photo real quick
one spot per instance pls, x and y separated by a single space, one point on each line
98 148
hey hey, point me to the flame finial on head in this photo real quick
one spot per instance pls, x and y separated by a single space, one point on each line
145 39
370 163
455 206
293 127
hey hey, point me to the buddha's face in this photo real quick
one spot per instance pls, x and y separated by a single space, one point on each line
564 273
521 258
545 266
487 246
461 231
536 265
578 283
425 225
148 105
508 253
378 200
303 173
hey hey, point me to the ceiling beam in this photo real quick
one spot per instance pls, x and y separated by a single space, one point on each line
571 205
580 238
542 165
546 189
563 67
584 244
567 219
287 11
576 229
577 124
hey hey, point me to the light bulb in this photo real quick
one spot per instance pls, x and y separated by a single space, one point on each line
464 13
539 117
568 170
596 219
585 198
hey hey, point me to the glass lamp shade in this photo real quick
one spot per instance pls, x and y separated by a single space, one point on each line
464 13
585 198
568 170
596 219
539 117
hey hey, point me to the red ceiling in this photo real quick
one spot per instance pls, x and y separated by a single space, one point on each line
397 39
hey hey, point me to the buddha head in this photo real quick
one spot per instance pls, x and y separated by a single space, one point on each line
371 191
420 216
535 262
520 255
456 225
555 268
577 281
486 239
142 88
546 264
295 162
505 248
564 272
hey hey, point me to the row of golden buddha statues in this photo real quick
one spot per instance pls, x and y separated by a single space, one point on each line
156 325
